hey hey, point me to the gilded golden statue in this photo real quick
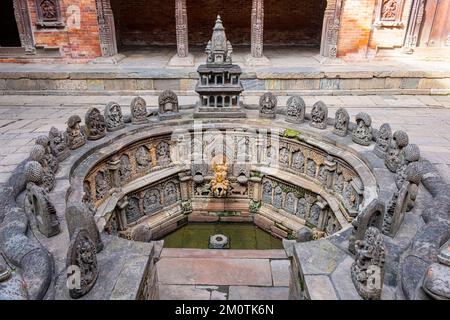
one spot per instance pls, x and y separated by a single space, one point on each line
220 184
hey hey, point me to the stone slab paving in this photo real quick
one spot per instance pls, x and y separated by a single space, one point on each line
186 274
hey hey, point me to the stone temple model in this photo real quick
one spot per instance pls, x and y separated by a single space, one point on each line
219 84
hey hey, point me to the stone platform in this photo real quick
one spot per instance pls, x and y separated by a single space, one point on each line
186 274
293 70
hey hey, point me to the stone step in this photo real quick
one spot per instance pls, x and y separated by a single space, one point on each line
223 254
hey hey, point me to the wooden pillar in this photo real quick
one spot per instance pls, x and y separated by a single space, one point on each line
23 21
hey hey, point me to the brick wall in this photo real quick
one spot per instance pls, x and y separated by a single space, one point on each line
75 43
356 27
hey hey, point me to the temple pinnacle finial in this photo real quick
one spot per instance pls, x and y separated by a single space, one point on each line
218 25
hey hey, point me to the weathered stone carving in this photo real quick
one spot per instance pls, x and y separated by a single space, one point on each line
163 153
395 157
401 202
141 233
101 185
284 156
371 216
257 20
152 202
411 153
267 192
37 154
50 160
133 210
301 208
95 124
181 28
319 115
58 144
311 168
37 201
168 105
114 117
80 216
383 139
143 159
83 256
362 134
341 122
278 197
298 161
295 110
170 193
125 169
368 269
267 105
138 109
75 136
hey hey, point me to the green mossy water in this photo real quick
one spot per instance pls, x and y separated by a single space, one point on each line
240 235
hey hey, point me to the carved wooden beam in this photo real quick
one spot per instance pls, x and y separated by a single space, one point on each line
107 29
23 21
330 29
257 41
181 21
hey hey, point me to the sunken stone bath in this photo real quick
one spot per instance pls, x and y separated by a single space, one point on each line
361 214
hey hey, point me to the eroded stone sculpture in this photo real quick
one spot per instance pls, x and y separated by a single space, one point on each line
81 259
49 158
383 139
79 216
368 269
411 153
319 115
95 124
267 105
38 202
295 110
58 144
341 122
75 136
37 153
395 157
138 109
114 117
168 105
362 134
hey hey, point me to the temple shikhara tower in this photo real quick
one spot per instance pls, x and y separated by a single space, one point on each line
219 84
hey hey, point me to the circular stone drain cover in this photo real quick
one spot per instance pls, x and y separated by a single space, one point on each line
218 241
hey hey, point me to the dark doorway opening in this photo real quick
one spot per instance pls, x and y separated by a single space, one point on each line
298 23
9 34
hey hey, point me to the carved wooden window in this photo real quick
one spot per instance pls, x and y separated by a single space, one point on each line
389 13
48 13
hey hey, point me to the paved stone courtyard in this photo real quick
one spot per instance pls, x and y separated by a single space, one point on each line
425 118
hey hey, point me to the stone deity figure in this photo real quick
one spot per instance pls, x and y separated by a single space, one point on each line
95 124
341 122
58 144
138 108
50 160
362 134
319 115
220 184
394 156
75 136
295 110
114 117
383 139
267 106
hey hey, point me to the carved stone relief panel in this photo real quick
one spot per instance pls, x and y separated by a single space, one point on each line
48 13
133 211
152 201
389 13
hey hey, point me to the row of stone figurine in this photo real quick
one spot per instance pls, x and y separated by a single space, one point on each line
394 148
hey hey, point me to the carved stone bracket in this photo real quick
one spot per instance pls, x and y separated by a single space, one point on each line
23 20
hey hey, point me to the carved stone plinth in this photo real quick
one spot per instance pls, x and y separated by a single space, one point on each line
177 61
252 61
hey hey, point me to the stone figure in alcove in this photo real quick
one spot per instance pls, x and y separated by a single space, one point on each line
362 134
133 211
295 110
75 136
58 144
298 161
267 192
168 106
101 185
319 115
267 105
95 124
383 140
152 201
138 109
143 158
124 168
341 122
114 117
301 208
278 197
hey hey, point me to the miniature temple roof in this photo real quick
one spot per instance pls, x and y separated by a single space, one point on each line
219 49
